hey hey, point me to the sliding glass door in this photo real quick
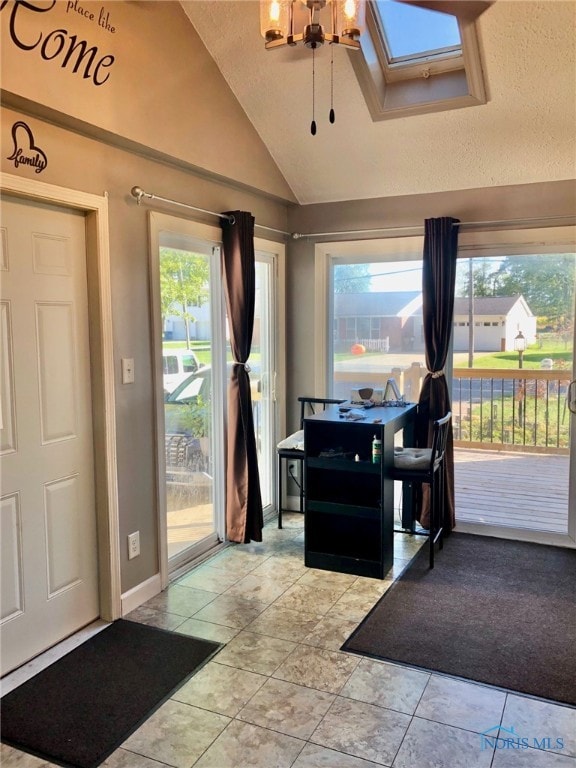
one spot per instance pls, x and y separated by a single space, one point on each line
375 314
262 372
193 386
513 353
511 366
192 343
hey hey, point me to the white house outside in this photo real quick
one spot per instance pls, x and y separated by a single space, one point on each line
497 321
199 328
395 320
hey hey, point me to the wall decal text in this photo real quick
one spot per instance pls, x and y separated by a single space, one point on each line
25 151
72 53
103 18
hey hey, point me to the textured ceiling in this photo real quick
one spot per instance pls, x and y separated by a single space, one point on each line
525 133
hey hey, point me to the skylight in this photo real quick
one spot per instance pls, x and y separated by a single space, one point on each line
415 60
410 32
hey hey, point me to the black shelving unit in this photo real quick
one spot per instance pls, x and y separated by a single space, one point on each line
348 503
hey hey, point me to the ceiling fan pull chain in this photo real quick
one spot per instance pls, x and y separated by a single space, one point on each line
332 115
313 124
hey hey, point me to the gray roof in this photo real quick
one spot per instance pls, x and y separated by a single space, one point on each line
382 304
488 305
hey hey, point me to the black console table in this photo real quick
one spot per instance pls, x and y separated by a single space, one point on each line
349 509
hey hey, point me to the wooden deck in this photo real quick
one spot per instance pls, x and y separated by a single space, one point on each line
521 490
512 489
190 515
188 526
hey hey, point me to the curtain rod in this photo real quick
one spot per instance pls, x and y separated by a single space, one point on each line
139 193
419 230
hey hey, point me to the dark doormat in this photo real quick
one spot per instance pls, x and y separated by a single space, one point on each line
495 611
80 709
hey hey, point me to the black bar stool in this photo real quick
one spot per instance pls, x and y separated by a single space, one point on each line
426 465
291 449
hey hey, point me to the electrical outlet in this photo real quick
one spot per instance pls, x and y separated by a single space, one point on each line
133 545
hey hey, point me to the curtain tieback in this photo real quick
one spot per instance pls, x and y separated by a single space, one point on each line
244 365
437 374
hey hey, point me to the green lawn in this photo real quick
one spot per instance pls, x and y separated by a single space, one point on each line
540 421
559 352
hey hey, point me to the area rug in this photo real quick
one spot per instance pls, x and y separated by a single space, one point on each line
494 611
80 709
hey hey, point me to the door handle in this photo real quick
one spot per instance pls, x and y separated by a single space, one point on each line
571 396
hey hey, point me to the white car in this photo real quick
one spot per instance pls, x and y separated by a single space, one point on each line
177 365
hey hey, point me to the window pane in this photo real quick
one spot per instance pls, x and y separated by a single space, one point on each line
261 376
190 392
377 314
412 31
510 381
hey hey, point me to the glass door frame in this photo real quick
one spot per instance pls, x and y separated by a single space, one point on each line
266 250
520 242
352 252
275 253
472 243
209 241
268 417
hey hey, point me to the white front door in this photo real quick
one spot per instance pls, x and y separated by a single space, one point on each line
49 577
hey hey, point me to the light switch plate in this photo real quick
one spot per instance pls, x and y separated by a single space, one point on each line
127 370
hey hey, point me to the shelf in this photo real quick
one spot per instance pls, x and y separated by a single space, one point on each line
316 506
344 536
344 465
348 523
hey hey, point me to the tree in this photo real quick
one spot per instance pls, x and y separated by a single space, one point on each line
484 278
184 280
352 278
546 282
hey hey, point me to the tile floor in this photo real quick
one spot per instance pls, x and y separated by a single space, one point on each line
281 694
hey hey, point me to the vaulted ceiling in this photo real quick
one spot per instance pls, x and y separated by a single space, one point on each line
525 133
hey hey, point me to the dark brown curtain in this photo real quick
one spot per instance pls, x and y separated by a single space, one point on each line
438 285
244 517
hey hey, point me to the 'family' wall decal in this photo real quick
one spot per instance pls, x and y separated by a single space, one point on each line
25 151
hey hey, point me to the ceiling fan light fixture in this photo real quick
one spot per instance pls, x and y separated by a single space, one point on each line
275 20
349 18
289 22
313 35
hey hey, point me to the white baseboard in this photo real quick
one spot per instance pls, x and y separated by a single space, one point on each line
141 593
292 502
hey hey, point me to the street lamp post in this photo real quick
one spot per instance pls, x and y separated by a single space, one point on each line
520 347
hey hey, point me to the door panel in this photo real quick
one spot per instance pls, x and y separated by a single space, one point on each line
49 556
261 362
512 427
188 271
189 317
511 423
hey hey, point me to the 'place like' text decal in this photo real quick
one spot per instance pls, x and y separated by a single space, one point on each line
59 44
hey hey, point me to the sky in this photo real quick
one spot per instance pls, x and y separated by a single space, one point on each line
413 30
396 276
